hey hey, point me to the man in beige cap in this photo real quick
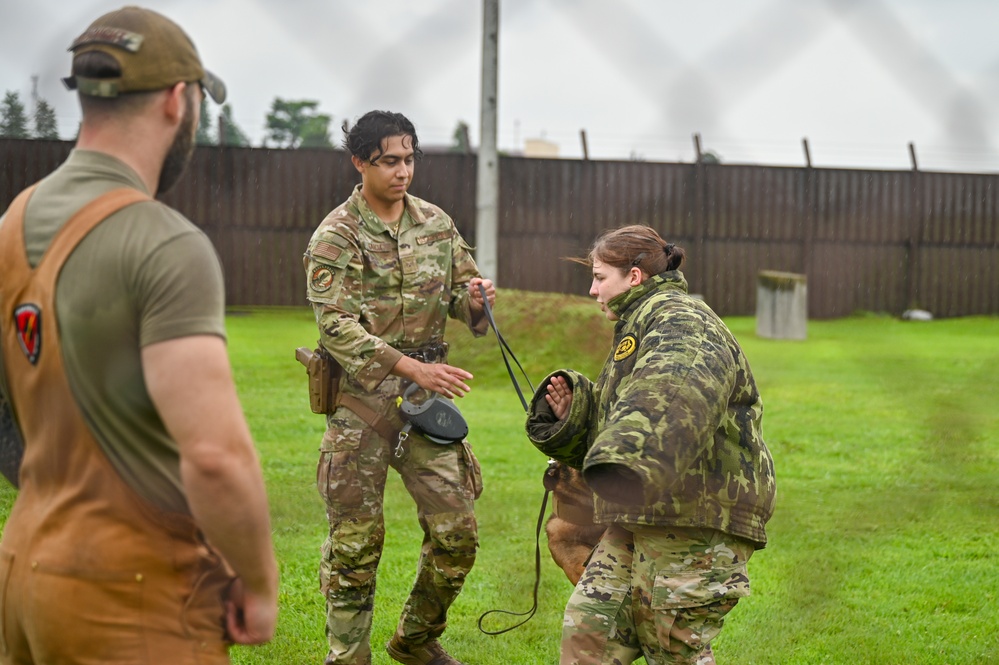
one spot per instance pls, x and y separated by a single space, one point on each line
140 533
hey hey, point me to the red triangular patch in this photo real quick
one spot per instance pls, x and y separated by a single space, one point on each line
28 321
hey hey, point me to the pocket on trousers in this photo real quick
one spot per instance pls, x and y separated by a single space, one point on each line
337 477
690 605
474 470
107 609
203 613
6 565
697 587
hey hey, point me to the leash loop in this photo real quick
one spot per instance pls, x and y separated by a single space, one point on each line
537 580
504 349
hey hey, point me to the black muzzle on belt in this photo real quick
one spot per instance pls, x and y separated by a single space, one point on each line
436 418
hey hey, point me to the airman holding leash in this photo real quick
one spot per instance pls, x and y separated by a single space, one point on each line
385 270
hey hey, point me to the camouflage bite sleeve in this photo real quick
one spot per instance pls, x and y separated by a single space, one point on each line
563 440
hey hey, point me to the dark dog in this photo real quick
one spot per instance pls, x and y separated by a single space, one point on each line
572 534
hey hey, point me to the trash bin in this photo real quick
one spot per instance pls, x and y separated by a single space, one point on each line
781 305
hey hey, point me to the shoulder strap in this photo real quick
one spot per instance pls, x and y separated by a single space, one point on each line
18 274
14 269
12 252
82 223
368 415
12 248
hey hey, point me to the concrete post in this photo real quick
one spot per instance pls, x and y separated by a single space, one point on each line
781 305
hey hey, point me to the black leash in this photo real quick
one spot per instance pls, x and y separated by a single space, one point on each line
504 349
537 580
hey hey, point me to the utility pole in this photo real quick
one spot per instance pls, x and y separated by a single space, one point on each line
465 140
487 190
222 130
34 95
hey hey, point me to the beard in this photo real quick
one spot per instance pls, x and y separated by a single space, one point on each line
180 152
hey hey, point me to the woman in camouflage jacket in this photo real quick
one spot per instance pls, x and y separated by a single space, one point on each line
669 439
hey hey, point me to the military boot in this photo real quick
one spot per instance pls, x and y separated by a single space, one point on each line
428 653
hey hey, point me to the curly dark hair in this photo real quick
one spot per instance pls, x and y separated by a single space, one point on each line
364 139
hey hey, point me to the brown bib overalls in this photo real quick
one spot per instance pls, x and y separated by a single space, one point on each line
90 572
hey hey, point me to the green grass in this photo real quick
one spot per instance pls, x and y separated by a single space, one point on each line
883 548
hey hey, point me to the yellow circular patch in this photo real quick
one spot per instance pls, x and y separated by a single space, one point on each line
625 348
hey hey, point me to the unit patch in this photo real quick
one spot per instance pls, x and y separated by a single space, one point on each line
321 278
625 348
28 322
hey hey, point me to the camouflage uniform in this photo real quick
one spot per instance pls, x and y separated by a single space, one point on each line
378 293
669 437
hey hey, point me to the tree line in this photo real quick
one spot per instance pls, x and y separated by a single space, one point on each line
289 123
14 119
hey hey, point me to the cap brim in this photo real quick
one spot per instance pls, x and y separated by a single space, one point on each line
215 87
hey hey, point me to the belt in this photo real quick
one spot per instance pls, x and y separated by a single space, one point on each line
431 353
435 352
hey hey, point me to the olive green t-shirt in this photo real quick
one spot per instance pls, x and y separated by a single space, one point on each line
144 275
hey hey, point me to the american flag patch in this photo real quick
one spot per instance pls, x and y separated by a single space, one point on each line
327 251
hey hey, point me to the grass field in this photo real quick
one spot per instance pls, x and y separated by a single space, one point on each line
883 548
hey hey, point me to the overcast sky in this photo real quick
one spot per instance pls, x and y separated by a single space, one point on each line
860 79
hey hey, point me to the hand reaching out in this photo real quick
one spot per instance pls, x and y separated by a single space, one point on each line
559 396
442 378
445 379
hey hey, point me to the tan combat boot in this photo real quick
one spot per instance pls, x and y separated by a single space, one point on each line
428 653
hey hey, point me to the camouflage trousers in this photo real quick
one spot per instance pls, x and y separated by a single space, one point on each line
444 481
657 592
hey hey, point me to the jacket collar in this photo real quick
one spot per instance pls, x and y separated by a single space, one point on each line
374 222
671 280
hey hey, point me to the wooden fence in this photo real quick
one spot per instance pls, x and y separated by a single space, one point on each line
881 241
